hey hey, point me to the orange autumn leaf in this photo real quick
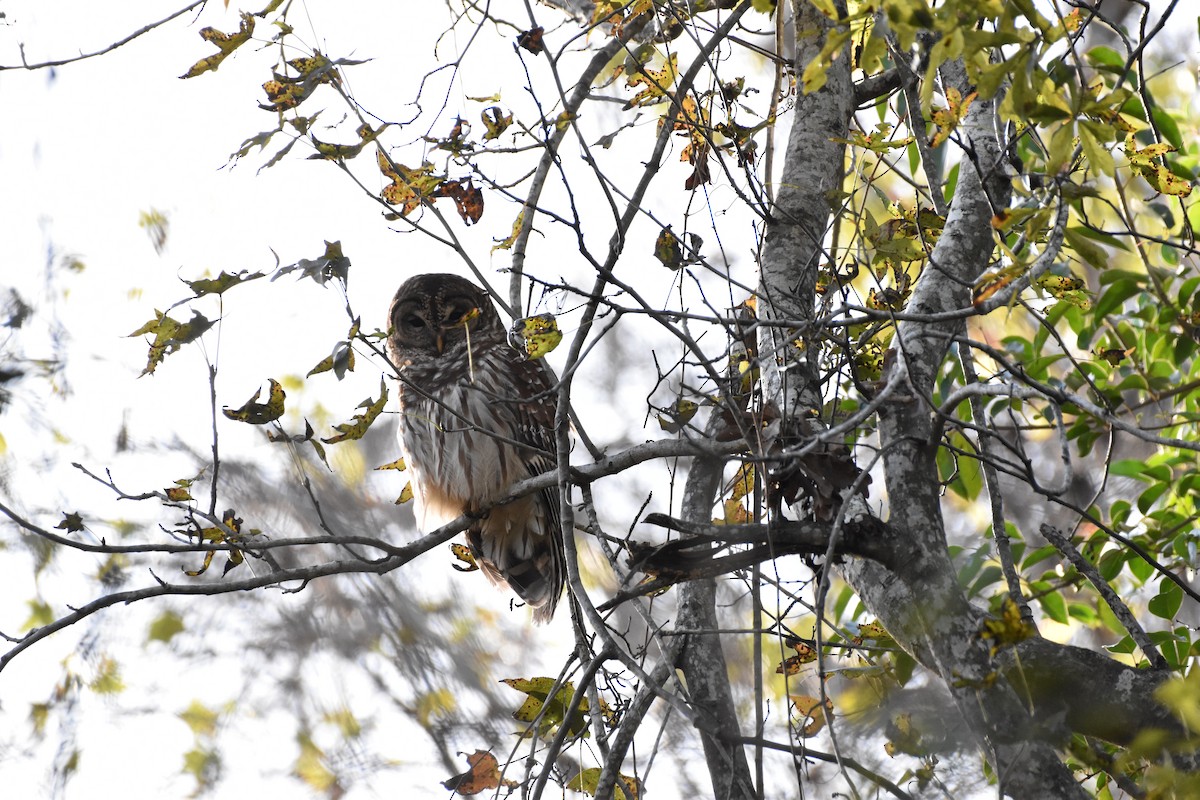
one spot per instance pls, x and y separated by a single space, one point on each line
484 774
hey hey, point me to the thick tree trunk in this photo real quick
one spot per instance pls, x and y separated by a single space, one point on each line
793 246
919 600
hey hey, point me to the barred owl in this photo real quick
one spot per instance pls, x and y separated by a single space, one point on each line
475 417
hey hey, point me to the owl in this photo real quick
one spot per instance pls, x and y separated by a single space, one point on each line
477 416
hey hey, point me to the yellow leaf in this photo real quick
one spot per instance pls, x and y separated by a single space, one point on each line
873 630
1008 629
341 360
170 335
1059 285
463 554
200 718
993 282
257 413
406 494
409 187
356 427
734 514
221 283
535 336
805 654
677 415
815 72
812 712
193 573
549 711
588 780
743 482
496 122
1168 182
668 250
165 627
656 84
310 767
226 43
435 703
40 614
506 244
397 464
334 152
947 119
107 679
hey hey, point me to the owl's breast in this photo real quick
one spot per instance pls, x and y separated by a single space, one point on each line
458 447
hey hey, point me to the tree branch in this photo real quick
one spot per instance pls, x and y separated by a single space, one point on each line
72 59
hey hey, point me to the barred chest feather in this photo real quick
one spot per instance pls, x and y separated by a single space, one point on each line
452 433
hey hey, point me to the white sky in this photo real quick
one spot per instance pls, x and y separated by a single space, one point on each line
83 151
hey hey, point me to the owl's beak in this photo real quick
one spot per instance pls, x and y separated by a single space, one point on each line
440 341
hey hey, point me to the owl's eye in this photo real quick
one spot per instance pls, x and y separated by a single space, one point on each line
413 321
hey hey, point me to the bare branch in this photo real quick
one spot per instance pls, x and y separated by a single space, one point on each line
72 59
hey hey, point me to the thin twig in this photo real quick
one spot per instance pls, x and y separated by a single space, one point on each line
1119 609
72 59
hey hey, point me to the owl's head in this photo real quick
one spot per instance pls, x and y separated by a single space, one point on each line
436 314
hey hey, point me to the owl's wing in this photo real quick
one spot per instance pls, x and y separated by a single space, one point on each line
521 542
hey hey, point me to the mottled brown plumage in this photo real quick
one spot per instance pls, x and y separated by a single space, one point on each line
476 416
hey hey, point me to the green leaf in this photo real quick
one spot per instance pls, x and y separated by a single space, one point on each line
1062 147
1167 127
1097 154
1140 567
1128 468
1182 696
1038 555
1166 603
1083 613
1114 296
1105 57
1055 607
1147 498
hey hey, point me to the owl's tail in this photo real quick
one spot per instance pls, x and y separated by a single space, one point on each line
519 546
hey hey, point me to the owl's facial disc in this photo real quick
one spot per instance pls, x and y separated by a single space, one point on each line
411 323
456 319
